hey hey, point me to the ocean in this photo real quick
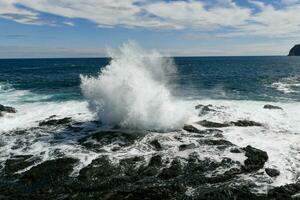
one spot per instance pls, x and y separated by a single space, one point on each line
144 91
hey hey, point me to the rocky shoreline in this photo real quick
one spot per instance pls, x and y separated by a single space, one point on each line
191 163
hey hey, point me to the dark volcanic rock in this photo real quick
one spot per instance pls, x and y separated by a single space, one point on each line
155 143
155 161
295 51
226 192
156 175
245 123
212 132
272 172
173 171
100 139
268 106
48 180
204 109
49 173
98 171
285 192
56 122
191 129
6 109
256 159
17 163
215 142
184 147
236 150
209 124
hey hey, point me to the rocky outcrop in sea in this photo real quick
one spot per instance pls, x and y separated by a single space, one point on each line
6 109
295 51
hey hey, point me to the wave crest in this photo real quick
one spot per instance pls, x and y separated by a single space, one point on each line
133 91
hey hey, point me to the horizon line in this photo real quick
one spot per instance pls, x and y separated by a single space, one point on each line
102 57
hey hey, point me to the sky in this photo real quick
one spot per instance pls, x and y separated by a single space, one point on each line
86 28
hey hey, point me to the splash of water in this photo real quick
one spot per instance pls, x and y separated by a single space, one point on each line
133 91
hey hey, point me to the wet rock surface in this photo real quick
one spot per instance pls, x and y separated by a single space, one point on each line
6 109
240 123
270 107
204 109
256 159
245 123
17 163
189 164
55 122
272 172
210 124
100 139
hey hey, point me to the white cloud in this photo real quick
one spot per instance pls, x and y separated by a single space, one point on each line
9 10
266 20
194 14
290 2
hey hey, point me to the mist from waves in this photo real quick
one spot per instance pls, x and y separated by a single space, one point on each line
133 91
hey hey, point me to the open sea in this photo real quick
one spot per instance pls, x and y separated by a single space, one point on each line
142 94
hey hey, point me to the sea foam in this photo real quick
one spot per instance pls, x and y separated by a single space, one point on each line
133 91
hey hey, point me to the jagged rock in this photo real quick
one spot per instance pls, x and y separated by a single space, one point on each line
245 123
155 161
226 192
196 176
17 163
268 106
173 171
214 142
295 51
59 169
100 139
272 172
191 129
236 150
98 170
184 147
285 192
155 143
204 109
255 159
210 124
55 122
153 167
241 123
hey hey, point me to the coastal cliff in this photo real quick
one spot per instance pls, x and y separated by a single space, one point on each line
295 51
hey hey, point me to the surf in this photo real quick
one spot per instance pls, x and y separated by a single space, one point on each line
133 91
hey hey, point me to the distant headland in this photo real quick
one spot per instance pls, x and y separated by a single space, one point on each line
295 51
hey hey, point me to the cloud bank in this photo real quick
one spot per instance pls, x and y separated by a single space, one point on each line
254 17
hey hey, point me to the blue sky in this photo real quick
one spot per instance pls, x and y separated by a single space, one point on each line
85 28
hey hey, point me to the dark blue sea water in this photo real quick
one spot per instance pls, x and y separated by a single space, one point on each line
244 78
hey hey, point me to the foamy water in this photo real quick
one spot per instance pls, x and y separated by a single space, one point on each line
134 91
288 85
279 136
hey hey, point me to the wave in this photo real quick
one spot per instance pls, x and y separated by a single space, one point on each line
133 91
33 108
288 85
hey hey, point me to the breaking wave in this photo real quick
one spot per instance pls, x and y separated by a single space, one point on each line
133 91
288 85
